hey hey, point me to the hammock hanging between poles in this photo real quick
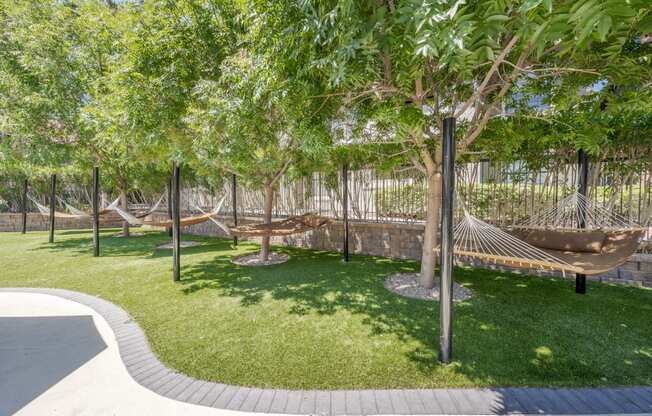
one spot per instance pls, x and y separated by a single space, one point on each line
553 240
186 221
289 226
73 212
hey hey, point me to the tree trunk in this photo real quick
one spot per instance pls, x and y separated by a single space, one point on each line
123 203
433 209
267 217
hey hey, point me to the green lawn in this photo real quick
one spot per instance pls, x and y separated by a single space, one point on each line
315 322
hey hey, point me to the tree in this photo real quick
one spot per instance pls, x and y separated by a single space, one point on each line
405 66
107 83
253 124
608 115
59 107
40 86
168 49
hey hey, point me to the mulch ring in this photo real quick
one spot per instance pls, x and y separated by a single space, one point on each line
184 244
254 259
407 284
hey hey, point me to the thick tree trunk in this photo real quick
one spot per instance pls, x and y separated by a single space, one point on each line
433 209
124 203
267 217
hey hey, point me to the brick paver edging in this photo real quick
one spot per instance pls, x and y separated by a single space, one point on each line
147 370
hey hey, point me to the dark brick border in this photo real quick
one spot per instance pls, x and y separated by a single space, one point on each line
147 370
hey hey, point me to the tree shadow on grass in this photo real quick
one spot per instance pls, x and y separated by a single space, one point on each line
83 232
318 282
142 246
509 333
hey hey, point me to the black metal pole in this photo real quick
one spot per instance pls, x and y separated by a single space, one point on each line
446 282
176 220
53 199
170 204
582 184
24 207
345 211
234 188
96 211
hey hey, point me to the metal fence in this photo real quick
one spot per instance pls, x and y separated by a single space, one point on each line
500 193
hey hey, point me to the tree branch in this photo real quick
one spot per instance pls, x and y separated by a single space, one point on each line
489 75
555 70
475 132
418 165
280 173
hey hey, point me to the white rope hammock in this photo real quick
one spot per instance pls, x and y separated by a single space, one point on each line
73 210
130 218
215 212
574 209
157 204
134 220
474 238
44 210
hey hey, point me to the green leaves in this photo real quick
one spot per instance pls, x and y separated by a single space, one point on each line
600 17
226 83
251 122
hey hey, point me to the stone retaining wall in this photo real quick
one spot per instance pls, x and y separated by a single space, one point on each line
38 222
403 241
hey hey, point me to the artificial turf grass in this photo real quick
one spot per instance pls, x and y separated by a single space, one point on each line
316 322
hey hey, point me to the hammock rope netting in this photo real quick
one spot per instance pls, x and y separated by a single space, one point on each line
575 209
289 226
574 236
553 240
72 211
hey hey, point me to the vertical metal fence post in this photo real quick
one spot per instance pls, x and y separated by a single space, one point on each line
96 211
170 204
345 211
24 207
53 199
234 188
176 219
446 279
582 184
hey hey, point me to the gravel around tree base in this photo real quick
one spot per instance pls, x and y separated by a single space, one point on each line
131 234
184 244
254 259
407 284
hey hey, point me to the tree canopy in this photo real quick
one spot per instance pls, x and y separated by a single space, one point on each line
262 88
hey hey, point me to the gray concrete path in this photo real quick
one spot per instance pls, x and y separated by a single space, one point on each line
61 358
149 372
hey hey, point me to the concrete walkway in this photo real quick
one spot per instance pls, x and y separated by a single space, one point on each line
64 352
59 357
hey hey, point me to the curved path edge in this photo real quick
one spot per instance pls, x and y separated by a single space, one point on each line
146 369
